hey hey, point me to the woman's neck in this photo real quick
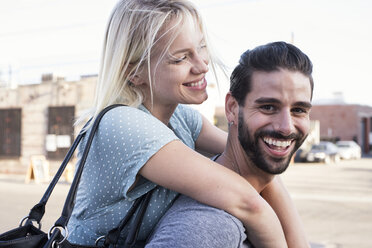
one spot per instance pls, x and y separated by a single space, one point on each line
161 112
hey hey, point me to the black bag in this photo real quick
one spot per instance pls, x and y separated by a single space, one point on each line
27 235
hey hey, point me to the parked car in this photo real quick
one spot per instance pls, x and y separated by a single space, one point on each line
325 151
349 149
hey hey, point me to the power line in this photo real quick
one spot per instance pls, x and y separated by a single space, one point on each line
224 3
49 29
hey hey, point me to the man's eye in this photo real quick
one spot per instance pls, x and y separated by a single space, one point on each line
267 108
299 111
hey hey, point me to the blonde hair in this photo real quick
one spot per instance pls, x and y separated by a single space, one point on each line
134 28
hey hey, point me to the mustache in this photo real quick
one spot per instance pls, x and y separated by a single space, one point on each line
277 135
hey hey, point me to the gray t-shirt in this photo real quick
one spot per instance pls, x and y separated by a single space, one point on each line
125 140
189 223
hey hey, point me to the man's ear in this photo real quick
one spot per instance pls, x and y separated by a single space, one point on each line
231 109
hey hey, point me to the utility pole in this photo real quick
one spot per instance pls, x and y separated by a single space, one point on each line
292 38
9 83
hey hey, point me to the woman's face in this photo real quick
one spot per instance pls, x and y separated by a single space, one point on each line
179 76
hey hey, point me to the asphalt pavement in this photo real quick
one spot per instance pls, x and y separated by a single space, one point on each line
334 201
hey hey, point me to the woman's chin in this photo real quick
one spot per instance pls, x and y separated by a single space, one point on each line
201 99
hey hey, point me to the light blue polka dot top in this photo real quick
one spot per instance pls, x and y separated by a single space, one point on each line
126 138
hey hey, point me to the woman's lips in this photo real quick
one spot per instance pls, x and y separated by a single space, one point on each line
201 84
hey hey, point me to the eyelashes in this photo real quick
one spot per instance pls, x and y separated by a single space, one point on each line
187 54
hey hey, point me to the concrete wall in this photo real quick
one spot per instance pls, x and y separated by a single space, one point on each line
34 101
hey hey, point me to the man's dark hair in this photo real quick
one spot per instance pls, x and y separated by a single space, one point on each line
268 58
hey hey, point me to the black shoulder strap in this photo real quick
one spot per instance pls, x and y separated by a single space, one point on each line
37 212
69 203
141 203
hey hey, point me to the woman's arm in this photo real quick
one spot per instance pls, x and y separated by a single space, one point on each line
177 167
277 196
211 138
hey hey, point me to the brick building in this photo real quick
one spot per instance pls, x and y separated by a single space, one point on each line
345 122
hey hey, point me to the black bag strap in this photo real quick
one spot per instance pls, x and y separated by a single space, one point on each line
134 230
69 203
113 235
37 212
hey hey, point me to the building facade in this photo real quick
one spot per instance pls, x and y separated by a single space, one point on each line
345 122
38 120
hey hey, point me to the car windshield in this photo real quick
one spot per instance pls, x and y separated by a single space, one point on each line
343 145
319 147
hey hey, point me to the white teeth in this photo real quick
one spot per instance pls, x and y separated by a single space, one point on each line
279 143
197 83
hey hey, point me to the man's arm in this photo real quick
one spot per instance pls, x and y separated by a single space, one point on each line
278 197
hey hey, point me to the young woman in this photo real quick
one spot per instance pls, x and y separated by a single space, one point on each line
154 60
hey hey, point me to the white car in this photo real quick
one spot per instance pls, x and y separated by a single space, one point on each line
349 149
325 151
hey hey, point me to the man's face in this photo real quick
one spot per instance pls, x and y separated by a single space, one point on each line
274 121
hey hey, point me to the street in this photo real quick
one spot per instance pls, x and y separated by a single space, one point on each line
334 201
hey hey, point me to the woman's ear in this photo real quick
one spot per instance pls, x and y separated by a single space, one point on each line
231 109
136 80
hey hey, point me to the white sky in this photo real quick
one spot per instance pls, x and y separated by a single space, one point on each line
65 37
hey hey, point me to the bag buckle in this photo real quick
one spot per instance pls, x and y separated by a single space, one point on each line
26 219
99 239
64 232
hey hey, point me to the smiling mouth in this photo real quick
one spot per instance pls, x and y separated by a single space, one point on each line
277 145
198 84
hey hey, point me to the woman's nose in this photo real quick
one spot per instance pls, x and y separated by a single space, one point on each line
200 64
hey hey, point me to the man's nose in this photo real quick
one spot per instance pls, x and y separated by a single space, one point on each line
284 123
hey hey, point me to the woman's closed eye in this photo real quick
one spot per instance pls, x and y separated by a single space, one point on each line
177 59
202 47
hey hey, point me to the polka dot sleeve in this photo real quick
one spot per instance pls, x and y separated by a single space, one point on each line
126 139
190 121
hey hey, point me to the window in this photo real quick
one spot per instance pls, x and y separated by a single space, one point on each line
10 132
60 131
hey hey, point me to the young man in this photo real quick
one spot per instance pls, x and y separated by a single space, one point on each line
267 108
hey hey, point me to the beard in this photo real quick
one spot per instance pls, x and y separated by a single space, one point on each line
259 158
